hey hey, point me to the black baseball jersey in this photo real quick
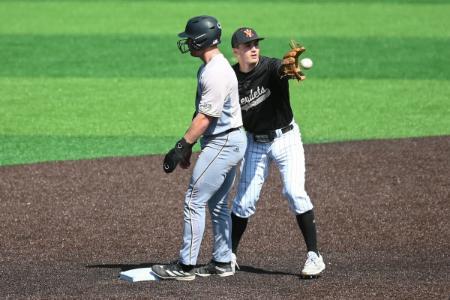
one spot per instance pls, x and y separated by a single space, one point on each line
264 97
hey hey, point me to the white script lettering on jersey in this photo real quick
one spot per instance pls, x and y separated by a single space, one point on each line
254 98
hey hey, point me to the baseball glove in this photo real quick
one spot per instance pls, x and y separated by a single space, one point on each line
290 66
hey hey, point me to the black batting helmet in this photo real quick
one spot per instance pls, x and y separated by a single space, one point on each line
201 32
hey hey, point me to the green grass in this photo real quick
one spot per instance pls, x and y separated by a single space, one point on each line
303 18
104 78
371 109
123 56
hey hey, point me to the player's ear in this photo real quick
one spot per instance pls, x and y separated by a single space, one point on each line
235 52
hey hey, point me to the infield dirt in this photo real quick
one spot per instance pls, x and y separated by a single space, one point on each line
382 209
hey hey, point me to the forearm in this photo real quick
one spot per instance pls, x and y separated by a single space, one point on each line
198 126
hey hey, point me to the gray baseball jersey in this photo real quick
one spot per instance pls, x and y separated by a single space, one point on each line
218 95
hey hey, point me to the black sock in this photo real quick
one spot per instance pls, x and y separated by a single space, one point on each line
307 225
238 226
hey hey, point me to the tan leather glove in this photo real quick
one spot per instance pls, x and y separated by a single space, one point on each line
290 66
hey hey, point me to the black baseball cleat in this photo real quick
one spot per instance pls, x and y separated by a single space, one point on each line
175 271
214 268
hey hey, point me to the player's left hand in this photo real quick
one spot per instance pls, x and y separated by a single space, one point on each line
290 66
181 153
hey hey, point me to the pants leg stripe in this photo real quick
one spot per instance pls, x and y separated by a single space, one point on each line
190 197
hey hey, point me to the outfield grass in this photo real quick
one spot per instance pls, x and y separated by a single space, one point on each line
104 78
143 56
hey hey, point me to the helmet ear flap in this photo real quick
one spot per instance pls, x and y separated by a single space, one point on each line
199 42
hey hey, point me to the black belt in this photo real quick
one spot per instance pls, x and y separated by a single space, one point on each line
225 132
231 130
269 136
287 128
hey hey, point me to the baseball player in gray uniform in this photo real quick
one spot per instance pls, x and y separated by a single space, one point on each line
273 136
218 121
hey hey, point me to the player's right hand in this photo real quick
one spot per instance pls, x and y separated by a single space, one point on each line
170 161
181 153
186 162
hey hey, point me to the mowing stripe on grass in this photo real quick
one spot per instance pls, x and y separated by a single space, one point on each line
408 2
156 56
96 107
341 19
19 149
57 119
338 110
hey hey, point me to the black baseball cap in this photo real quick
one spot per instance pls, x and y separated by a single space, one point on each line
244 35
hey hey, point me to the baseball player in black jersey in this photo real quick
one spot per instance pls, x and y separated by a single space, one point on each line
272 136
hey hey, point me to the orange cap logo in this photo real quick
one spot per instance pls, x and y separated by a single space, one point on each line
248 33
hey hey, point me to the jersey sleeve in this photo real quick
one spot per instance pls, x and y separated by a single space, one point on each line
213 94
274 66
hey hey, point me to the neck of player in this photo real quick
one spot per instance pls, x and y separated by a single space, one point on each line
209 54
247 67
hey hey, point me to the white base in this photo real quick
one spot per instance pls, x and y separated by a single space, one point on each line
134 275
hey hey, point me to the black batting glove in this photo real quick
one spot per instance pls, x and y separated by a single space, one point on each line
180 153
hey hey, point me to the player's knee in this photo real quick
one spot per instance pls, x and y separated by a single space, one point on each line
243 212
218 210
299 202
294 192
300 206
